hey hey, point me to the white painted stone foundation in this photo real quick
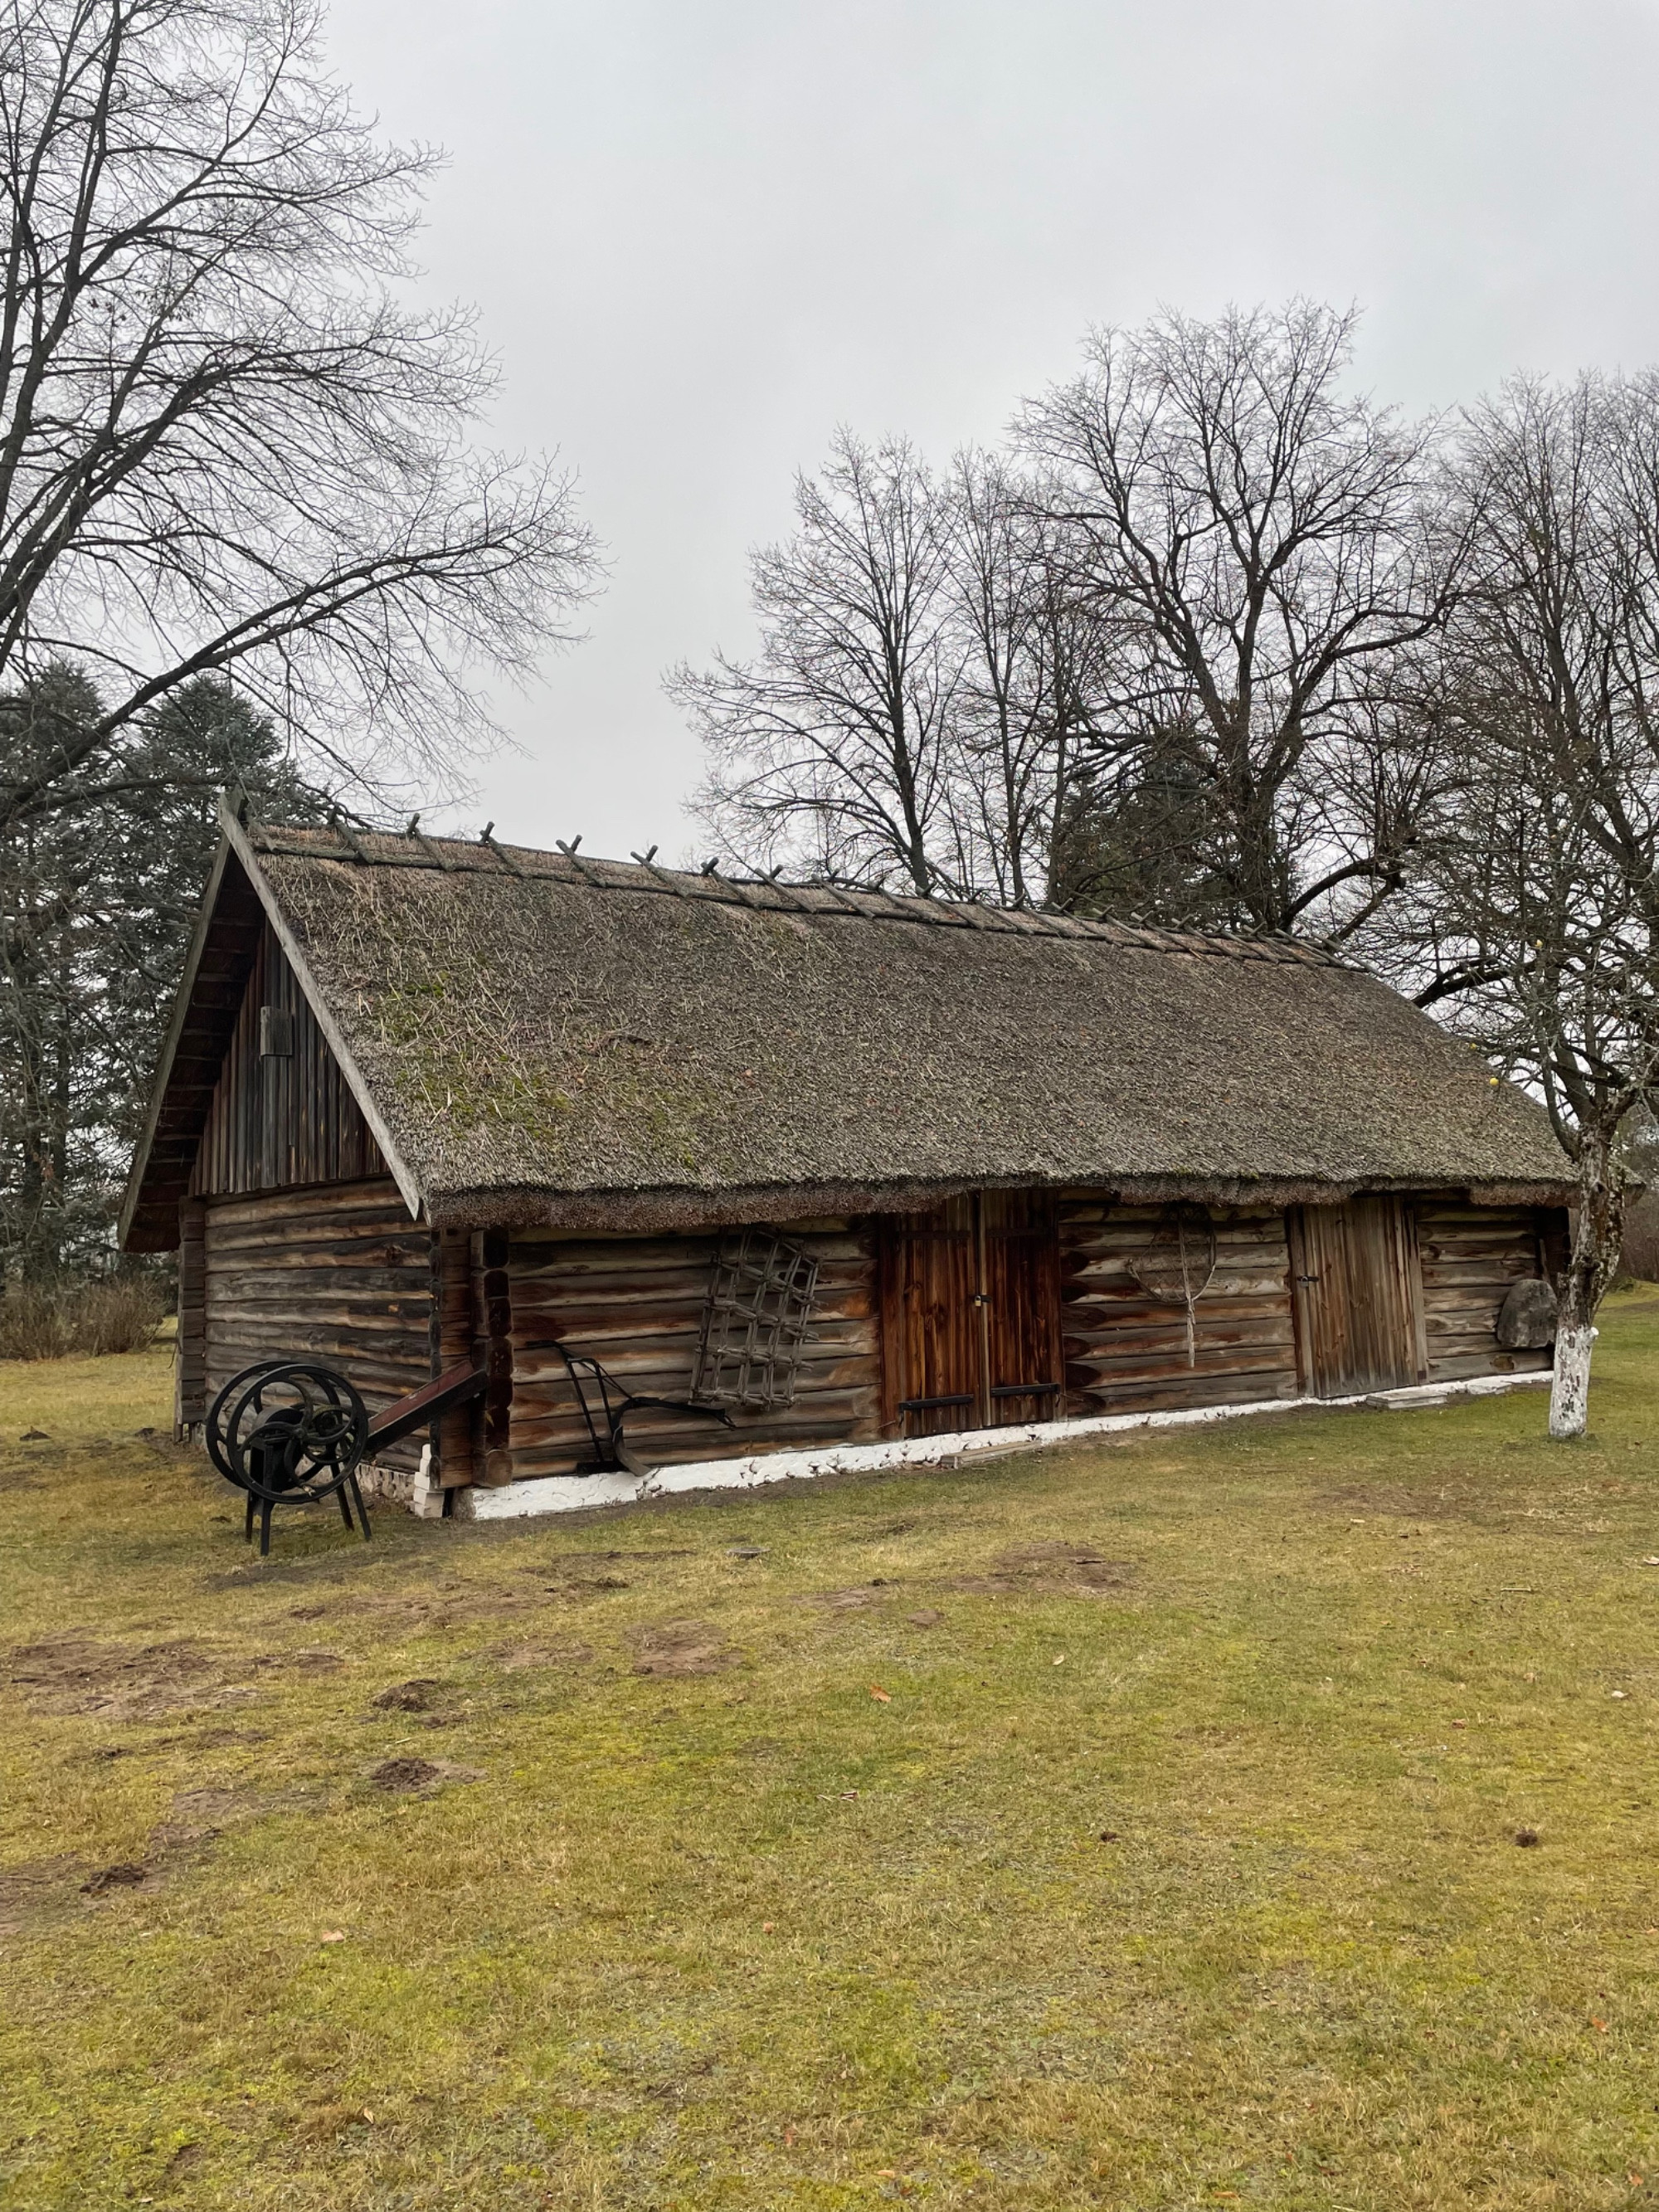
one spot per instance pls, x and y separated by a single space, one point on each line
568 1493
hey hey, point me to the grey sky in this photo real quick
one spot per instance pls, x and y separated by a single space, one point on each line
701 233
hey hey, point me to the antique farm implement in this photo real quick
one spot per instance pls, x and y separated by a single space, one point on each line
294 1432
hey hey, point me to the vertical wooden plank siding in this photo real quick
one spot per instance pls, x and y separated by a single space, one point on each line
970 1314
1019 1277
190 1402
496 1318
1354 1275
931 1326
342 1275
1127 1353
455 1433
279 1120
636 1304
1470 1257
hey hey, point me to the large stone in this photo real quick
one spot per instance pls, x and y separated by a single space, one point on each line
1527 1321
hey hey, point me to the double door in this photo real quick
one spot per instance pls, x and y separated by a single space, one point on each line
1358 1290
971 1314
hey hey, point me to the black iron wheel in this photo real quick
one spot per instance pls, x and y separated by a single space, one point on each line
287 1430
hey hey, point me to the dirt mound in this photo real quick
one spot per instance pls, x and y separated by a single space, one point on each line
127 1875
420 1777
416 1696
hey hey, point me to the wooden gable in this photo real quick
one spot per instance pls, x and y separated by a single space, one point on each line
283 1114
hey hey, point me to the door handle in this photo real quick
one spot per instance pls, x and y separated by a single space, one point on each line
1310 1279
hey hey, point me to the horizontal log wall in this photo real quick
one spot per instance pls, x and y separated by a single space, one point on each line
341 1274
1472 1256
1127 1353
636 1304
284 1118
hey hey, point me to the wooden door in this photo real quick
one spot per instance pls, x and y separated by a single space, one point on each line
1358 1298
970 1314
1019 1284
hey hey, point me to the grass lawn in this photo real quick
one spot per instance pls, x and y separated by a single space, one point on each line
1119 1826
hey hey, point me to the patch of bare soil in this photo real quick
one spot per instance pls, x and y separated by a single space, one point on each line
421 1777
515 1657
32 1892
680 1647
126 1874
77 1674
213 1739
846 1601
448 1606
197 1816
1050 1569
577 1575
74 1674
1392 1501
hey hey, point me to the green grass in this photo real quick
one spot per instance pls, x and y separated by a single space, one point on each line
754 1937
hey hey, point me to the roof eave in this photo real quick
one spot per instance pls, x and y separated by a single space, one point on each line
651 1211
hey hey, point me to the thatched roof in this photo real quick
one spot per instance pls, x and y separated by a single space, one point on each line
538 1037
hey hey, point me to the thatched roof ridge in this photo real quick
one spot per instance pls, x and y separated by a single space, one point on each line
549 1037
759 894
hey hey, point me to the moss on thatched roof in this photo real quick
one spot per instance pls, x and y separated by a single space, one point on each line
546 1037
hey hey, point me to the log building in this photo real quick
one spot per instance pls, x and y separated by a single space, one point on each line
834 1166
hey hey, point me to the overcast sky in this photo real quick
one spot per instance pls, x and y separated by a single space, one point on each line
703 233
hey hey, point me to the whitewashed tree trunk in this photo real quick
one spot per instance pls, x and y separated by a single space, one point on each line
1597 1234
1569 1387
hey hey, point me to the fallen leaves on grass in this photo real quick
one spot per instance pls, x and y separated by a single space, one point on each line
881 1696
1528 1839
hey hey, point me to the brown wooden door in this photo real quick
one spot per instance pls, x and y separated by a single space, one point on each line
1358 1295
1019 1279
970 1313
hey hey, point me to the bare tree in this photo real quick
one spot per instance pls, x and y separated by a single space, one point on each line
832 747
222 440
1259 543
1537 931
1022 709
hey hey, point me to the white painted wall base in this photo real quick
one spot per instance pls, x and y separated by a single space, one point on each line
566 1493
